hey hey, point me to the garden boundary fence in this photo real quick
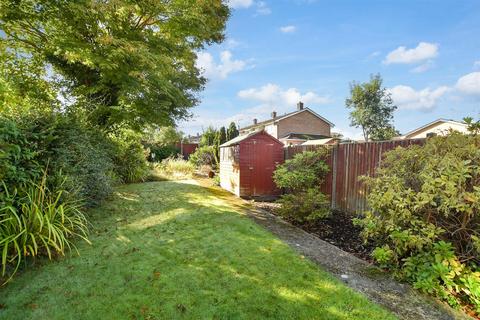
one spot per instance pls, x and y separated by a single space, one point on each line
348 162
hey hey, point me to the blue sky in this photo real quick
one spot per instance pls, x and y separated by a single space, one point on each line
277 52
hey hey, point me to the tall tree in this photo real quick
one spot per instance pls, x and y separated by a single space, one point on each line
372 109
232 131
222 135
125 63
209 137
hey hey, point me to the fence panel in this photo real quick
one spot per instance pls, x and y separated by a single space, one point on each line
348 162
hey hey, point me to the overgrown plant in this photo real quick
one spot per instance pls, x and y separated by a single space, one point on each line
176 168
39 222
425 216
206 155
301 178
130 158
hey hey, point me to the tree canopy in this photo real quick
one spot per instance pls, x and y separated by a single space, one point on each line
232 131
122 63
372 109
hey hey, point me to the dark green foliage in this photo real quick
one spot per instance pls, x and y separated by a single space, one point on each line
19 161
425 216
63 143
301 178
126 63
130 158
372 109
161 152
304 171
232 131
222 135
304 206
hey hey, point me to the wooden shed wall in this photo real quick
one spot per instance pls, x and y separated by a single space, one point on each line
229 170
259 156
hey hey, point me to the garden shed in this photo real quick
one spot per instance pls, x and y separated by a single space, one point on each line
247 163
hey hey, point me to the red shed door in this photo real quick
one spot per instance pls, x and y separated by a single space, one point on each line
263 167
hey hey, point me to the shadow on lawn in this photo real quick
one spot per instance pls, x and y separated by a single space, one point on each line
175 250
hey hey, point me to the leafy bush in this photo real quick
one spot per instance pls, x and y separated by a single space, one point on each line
159 152
38 222
84 155
205 155
63 142
301 177
130 158
305 170
19 161
425 216
305 205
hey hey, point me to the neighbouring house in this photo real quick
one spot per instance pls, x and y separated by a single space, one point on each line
322 142
437 127
293 128
247 163
194 139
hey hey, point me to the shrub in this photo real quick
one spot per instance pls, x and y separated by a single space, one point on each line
130 158
425 216
305 170
304 206
159 152
63 142
19 161
205 155
38 222
84 156
301 177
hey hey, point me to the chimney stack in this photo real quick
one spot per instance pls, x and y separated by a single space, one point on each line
254 121
274 114
300 105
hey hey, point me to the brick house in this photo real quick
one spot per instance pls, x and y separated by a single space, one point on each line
295 127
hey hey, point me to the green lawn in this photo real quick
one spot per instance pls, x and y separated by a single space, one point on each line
171 250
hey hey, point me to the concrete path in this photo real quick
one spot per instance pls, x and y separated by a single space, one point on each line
399 298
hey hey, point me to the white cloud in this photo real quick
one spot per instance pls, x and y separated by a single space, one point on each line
408 98
469 83
272 95
262 8
268 98
422 52
476 64
238 4
227 65
423 67
288 29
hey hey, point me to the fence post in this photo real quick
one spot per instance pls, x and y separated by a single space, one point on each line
334 177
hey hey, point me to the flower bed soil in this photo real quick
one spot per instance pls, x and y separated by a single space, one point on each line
338 230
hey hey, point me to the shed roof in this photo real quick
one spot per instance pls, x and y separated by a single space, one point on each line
239 139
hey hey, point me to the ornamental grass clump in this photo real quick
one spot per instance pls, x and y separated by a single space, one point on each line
425 217
40 222
301 178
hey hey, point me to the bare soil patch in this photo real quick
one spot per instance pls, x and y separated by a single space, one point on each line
338 230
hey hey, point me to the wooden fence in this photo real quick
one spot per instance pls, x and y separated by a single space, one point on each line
348 162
